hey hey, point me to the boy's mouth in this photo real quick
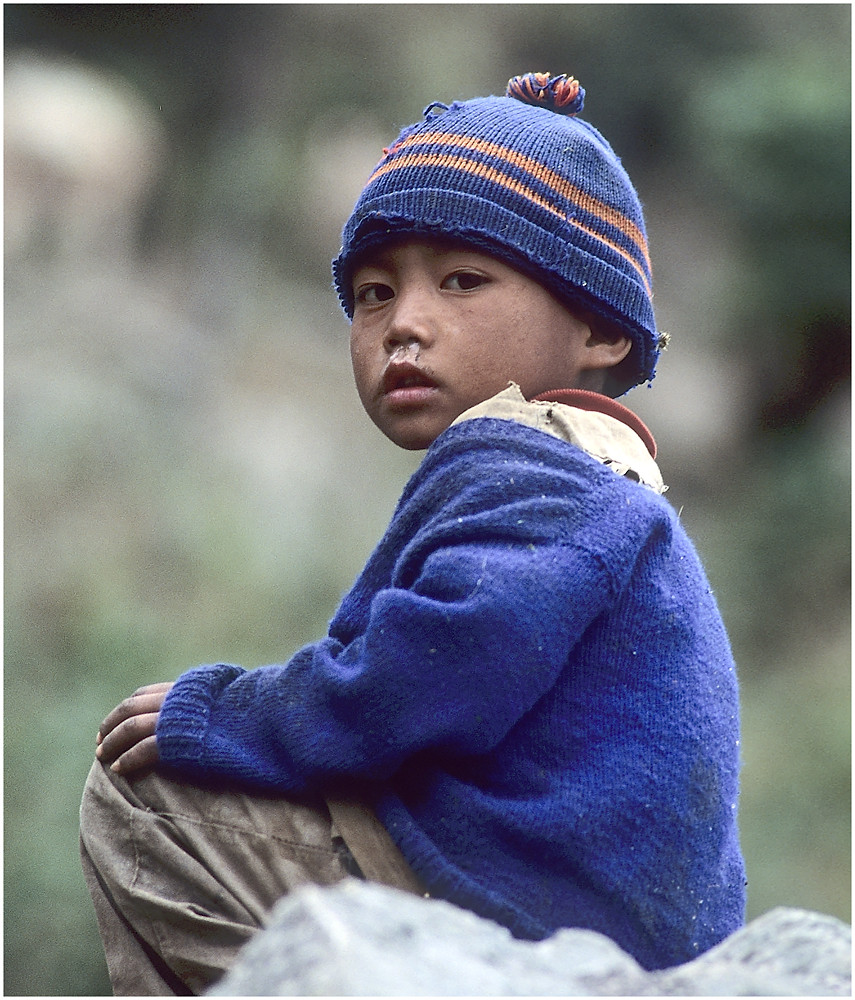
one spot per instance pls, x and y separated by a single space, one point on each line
406 383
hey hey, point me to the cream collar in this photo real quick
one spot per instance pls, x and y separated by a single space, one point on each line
601 427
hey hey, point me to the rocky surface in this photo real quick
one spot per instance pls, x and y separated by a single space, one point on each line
361 939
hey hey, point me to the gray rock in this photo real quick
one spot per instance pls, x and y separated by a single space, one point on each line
361 939
785 952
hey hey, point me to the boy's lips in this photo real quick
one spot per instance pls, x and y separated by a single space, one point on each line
406 384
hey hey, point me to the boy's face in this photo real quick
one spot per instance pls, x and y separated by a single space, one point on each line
438 327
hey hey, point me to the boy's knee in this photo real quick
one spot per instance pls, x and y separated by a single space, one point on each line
102 790
95 805
110 801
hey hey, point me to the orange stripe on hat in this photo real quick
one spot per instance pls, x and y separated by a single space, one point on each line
541 172
490 173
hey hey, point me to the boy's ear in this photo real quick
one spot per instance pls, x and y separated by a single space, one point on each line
610 368
609 344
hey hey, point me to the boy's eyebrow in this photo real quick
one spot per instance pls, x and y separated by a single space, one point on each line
380 257
377 260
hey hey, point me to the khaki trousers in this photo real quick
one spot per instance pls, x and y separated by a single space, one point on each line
182 875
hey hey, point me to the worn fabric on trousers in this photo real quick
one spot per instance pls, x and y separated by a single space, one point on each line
182 875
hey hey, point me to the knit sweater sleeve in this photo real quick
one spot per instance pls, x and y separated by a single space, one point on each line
463 618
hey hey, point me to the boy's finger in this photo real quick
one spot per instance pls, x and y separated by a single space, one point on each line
141 755
141 702
160 687
126 735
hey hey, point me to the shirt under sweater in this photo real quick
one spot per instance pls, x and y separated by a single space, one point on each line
530 682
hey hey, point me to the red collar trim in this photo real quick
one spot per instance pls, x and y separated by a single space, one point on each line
596 401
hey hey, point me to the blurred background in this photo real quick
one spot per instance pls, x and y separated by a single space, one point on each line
189 475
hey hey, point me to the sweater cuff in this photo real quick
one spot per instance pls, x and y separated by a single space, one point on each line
185 716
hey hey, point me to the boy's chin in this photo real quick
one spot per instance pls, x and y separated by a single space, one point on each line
411 438
412 443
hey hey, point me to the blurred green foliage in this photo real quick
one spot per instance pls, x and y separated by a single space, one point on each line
188 474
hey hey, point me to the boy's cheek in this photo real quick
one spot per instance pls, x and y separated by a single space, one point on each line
362 374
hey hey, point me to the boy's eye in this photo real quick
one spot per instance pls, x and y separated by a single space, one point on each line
373 293
465 281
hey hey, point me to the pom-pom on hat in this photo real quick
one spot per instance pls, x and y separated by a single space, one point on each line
522 178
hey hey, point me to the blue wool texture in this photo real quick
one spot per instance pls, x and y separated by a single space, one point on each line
531 683
531 184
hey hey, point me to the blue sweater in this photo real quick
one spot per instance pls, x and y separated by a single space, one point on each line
531 682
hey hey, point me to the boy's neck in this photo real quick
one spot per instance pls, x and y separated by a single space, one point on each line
584 399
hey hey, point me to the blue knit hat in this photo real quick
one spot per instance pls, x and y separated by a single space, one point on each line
522 178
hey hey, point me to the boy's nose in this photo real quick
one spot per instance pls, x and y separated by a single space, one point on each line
412 321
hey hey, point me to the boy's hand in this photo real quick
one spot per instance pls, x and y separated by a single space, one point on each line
126 738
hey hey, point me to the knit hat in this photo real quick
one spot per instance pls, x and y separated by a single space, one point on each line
522 178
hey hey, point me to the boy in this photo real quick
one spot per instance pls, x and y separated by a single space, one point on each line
527 703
